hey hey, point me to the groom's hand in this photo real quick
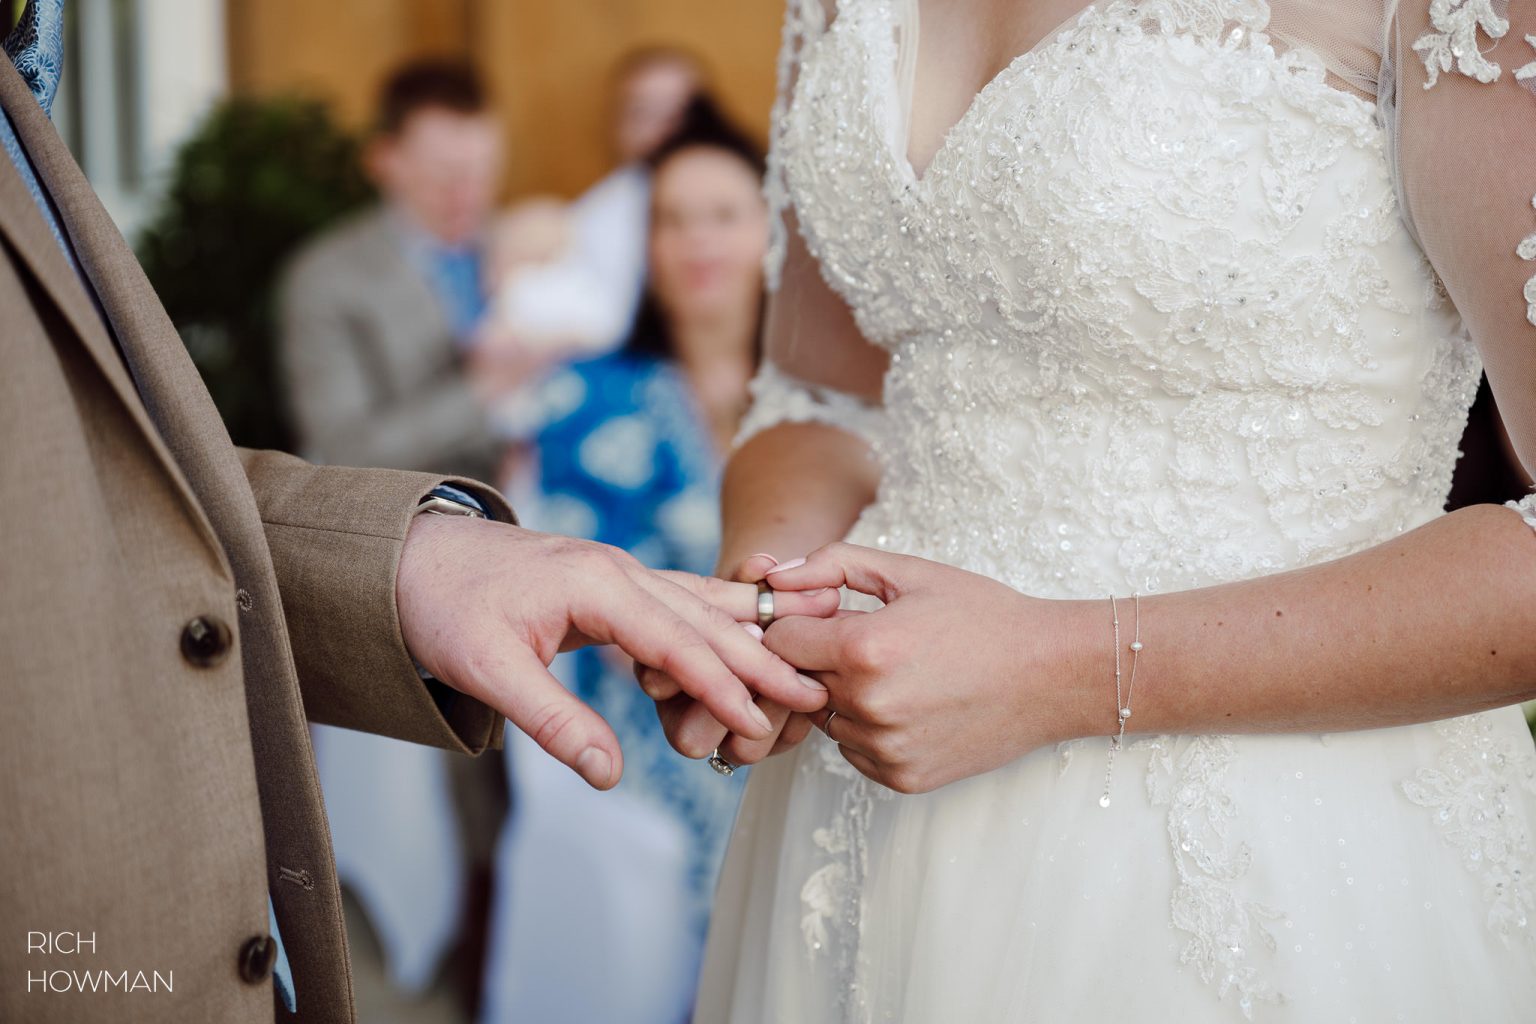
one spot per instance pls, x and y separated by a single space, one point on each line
485 607
690 727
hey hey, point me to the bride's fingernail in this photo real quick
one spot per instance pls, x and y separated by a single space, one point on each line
753 630
793 563
595 766
764 554
808 681
758 717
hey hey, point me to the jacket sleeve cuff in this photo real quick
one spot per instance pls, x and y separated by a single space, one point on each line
336 536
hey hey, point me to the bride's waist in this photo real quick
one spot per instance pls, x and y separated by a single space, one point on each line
1064 539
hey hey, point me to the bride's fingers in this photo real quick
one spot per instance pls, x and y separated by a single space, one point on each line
739 600
851 734
867 570
754 568
812 645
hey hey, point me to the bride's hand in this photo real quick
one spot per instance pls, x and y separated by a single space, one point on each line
690 727
958 674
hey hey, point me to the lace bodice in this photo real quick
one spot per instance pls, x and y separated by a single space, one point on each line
1153 304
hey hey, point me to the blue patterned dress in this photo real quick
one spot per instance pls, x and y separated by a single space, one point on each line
624 457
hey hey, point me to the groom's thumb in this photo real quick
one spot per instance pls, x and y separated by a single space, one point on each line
867 570
568 730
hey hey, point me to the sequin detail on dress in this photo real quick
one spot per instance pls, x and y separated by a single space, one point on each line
1472 790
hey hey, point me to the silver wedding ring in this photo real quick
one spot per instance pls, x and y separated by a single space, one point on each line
720 764
827 727
764 605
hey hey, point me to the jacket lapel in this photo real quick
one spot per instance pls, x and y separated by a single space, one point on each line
126 297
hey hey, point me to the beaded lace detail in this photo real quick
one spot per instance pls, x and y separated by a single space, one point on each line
1186 776
1472 791
1454 44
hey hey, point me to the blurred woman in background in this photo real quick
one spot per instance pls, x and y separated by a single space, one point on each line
618 885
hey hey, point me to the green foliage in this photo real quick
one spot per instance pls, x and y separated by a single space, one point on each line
256 179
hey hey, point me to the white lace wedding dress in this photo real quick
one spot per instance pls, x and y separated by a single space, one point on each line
1156 319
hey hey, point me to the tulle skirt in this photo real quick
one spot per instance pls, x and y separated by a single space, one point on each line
1383 875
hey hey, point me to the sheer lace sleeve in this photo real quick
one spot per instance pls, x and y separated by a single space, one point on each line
1526 506
779 398
817 367
1458 94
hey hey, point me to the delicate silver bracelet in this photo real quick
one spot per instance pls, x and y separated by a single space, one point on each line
1122 704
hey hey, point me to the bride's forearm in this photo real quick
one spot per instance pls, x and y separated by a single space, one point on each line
1438 622
793 488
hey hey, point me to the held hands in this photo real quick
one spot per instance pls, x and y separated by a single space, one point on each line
958 674
485 606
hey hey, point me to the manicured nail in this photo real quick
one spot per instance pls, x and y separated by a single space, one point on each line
764 554
758 717
753 630
595 766
808 681
793 563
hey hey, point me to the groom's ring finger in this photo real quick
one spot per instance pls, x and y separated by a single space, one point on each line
740 600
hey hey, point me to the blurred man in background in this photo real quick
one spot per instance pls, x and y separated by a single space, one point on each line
376 318
376 312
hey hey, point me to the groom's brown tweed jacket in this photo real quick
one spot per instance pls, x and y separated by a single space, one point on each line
172 610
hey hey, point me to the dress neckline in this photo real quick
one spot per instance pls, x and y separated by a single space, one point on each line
907 25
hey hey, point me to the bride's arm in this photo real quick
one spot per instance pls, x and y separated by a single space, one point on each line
959 674
802 470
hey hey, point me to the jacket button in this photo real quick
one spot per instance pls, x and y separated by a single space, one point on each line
257 955
205 641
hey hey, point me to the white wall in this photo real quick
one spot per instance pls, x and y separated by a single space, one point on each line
176 69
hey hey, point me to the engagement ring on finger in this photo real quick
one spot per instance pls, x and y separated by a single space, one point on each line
827 726
720 764
764 605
